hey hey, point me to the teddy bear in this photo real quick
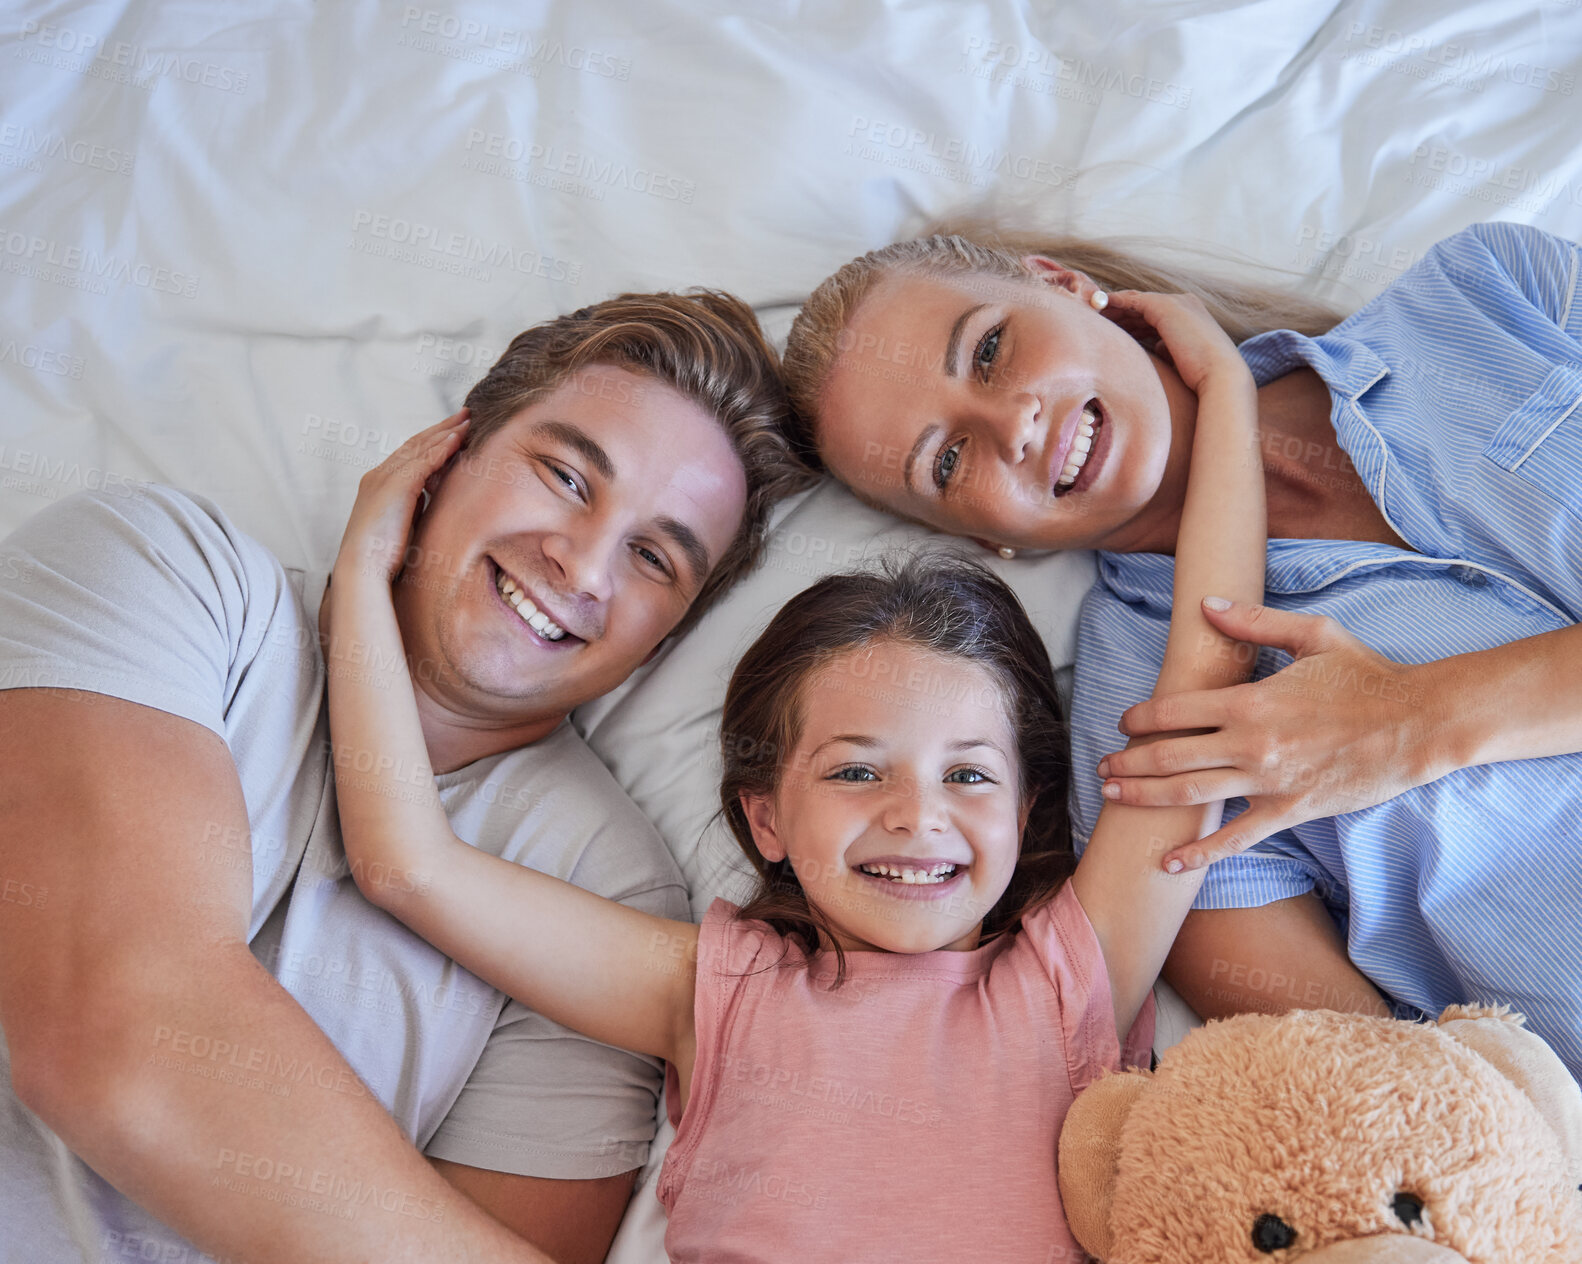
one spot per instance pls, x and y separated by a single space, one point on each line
1332 1139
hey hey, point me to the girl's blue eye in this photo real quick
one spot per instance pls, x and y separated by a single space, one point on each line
988 349
840 773
972 772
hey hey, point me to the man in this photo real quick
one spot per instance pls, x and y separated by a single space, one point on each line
215 1044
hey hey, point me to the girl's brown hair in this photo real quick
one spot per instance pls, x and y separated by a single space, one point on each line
935 600
705 344
978 247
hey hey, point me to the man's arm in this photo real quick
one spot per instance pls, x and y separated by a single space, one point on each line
1281 956
134 967
574 1221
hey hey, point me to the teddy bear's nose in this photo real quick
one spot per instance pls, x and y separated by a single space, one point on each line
1408 1209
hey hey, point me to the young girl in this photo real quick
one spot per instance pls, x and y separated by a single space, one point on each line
872 1059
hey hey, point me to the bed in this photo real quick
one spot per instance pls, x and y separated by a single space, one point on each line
248 248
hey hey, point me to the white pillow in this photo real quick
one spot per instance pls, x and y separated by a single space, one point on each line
659 731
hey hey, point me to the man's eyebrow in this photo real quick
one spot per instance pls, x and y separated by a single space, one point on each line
578 439
686 539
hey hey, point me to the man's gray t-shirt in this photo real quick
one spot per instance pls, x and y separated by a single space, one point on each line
152 595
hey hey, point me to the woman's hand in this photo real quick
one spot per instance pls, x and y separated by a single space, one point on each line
1339 729
381 520
1178 328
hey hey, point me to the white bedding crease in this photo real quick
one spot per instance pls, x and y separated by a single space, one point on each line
247 248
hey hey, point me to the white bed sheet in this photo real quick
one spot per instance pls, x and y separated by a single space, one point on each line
247 248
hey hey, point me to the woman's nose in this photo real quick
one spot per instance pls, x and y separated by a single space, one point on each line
1011 419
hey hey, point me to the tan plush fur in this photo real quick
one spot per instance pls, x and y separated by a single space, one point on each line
1322 1119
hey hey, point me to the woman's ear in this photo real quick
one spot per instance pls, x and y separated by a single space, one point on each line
760 812
1077 284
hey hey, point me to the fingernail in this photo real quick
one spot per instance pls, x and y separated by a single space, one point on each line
1173 866
1104 767
1216 603
1111 790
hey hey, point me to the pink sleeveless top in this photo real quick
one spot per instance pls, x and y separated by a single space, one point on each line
912 1114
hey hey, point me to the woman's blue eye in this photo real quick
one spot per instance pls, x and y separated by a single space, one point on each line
971 772
840 773
988 348
945 464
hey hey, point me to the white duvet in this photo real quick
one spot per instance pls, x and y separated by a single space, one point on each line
247 248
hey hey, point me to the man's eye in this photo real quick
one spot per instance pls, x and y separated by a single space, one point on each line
652 558
988 349
945 464
566 479
857 770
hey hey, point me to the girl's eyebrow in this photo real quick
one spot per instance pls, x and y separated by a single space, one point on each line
863 740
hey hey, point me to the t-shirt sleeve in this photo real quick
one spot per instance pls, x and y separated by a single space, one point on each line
1065 943
139 593
578 1109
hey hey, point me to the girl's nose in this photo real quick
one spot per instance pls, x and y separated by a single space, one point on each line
915 810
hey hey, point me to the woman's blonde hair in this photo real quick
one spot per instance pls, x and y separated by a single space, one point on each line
981 248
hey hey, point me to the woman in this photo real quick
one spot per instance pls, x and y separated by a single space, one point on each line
1411 789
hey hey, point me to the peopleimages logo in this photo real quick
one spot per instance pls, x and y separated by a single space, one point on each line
446 250
81 267
466 39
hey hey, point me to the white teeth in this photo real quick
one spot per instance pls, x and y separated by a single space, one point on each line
1080 447
527 611
917 877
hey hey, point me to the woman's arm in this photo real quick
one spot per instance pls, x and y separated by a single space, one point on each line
614 973
1276 957
1135 907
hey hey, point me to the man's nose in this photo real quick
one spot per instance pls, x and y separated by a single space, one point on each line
581 558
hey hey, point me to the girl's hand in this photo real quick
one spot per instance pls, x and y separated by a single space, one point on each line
1339 729
1178 328
386 507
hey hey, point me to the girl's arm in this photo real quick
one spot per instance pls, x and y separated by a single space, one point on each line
614 973
1135 906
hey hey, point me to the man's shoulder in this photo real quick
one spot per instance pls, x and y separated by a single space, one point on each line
178 527
565 814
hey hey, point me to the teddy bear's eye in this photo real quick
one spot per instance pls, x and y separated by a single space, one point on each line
1408 1209
1270 1233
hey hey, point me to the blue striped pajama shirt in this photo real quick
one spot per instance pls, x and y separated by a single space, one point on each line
1457 394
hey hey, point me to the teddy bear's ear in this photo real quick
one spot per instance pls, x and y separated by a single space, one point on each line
1090 1148
1527 1062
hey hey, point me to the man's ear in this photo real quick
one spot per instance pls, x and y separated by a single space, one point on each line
760 812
